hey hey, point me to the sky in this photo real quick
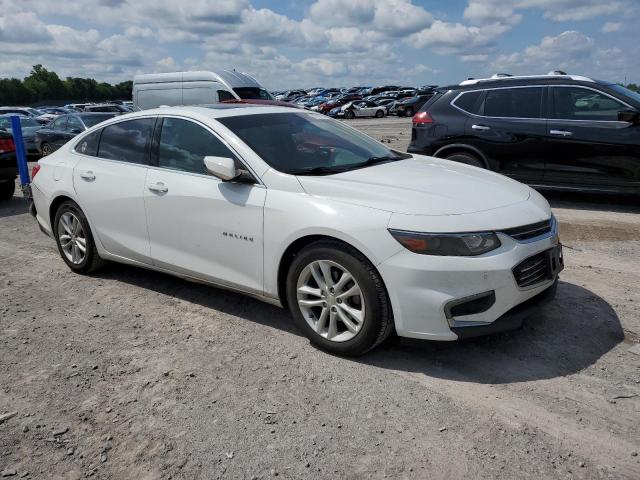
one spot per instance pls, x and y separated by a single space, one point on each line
309 43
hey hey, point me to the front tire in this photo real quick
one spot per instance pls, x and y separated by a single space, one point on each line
46 149
466 158
7 189
337 298
75 240
349 115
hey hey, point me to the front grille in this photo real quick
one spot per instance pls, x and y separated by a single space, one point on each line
533 270
532 230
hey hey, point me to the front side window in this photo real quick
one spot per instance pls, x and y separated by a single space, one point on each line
183 146
573 103
223 96
126 141
302 143
249 93
513 102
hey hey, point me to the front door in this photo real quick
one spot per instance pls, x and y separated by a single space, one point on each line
200 226
589 146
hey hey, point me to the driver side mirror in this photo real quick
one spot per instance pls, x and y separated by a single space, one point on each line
225 169
629 116
76 131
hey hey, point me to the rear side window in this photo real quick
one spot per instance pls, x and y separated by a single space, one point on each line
573 103
89 144
513 102
184 144
469 101
126 141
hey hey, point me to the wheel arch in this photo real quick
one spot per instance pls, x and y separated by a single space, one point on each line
300 244
462 148
55 204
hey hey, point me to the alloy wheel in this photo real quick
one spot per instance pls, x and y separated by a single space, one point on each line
330 300
71 236
46 149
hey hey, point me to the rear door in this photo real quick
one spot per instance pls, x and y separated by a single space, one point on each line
199 225
510 130
110 179
589 146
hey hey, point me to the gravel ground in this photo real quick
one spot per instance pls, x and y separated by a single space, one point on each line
135 374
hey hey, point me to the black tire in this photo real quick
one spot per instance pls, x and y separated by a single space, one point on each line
349 114
378 320
467 159
379 114
92 260
46 149
7 189
408 112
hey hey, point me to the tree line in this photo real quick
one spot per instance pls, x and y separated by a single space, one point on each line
42 85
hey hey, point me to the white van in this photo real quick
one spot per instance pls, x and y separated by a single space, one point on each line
194 88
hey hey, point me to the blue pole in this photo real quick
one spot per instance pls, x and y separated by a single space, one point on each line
21 156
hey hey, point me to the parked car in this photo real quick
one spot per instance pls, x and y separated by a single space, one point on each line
551 131
23 111
387 103
107 107
406 107
289 95
335 229
195 88
359 108
8 166
29 128
55 134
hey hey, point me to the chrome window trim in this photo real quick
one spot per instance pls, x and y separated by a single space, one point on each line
452 103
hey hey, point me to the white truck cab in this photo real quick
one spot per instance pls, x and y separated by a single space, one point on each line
194 88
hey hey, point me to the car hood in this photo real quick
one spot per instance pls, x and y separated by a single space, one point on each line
419 186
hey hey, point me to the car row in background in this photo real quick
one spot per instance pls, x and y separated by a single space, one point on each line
55 134
348 102
45 114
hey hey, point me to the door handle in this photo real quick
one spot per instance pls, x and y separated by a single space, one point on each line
158 187
560 133
88 175
482 128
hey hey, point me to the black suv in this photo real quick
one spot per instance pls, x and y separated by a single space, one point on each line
550 131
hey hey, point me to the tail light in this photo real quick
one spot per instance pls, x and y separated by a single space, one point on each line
35 170
421 118
7 145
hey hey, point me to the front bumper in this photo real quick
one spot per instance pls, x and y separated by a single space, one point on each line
422 289
511 320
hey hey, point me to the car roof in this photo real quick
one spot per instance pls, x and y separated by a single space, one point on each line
217 110
502 82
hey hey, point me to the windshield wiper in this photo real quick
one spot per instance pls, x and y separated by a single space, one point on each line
319 171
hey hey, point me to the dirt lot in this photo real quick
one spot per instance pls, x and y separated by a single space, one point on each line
134 374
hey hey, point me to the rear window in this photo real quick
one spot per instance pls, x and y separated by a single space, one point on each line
88 145
248 93
513 102
469 101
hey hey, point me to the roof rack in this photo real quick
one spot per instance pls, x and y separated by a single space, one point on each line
506 77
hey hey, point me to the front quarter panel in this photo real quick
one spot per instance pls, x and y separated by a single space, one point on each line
290 216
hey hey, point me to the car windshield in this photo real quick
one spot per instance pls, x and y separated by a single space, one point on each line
249 93
91 120
635 96
29 122
308 144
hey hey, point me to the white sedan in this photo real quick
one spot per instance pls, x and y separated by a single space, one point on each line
304 212
360 108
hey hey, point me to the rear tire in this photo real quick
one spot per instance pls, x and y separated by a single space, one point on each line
310 301
408 112
379 114
72 234
7 189
467 159
46 149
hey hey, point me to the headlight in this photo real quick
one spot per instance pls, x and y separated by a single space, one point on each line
448 244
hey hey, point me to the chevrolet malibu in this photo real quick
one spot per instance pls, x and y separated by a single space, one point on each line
304 212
